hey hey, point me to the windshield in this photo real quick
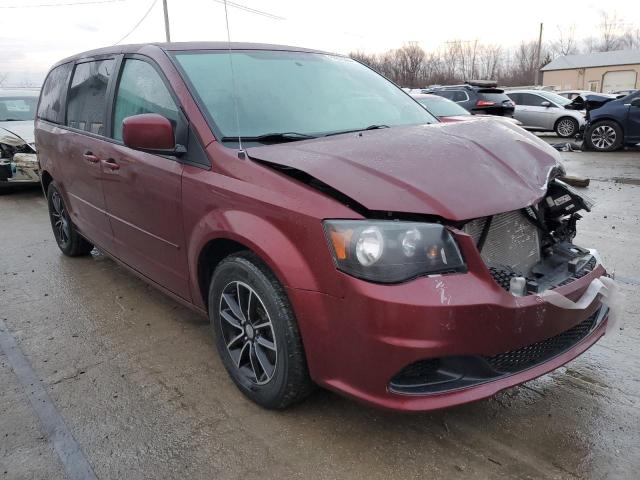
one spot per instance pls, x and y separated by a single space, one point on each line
555 98
294 92
17 108
441 107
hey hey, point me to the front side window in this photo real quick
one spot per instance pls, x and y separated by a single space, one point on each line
141 90
87 103
531 100
283 92
51 106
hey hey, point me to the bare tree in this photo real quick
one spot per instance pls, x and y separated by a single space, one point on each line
610 38
3 78
566 43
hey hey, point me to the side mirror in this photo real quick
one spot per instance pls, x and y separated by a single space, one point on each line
635 102
150 132
545 104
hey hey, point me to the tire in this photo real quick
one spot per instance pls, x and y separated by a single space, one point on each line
605 136
567 127
70 242
261 346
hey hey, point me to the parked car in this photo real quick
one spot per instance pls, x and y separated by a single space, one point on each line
545 111
611 123
624 92
18 161
478 98
446 110
571 94
334 236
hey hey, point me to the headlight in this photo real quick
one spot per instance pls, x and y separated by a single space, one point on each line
392 251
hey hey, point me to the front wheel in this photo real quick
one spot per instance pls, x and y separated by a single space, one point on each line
604 136
256 332
567 127
70 242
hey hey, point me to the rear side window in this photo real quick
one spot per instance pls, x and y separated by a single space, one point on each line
87 96
141 90
445 93
51 107
497 96
460 96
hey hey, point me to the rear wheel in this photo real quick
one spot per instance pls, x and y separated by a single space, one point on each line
605 136
70 242
256 332
567 127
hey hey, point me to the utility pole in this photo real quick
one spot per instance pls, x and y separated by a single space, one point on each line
166 21
537 75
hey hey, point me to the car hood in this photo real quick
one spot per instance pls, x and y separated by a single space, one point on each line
589 102
21 129
458 171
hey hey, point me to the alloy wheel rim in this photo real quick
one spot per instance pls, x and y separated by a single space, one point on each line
603 136
248 332
566 127
60 219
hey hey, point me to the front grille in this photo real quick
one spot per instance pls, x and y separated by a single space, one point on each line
437 375
531 355
503 276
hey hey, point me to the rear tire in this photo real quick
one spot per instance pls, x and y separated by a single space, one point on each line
605 136
70 242
567 127
256 332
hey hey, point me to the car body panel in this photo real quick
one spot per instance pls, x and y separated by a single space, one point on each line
365 169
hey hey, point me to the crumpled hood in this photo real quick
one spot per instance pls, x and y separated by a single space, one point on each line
21 129
458 171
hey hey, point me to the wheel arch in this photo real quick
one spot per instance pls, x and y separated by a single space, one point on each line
45 180
224 233
555 125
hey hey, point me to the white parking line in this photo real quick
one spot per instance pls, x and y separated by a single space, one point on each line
56 430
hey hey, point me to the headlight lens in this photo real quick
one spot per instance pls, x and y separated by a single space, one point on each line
392 251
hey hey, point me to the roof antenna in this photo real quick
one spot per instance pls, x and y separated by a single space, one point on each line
241 153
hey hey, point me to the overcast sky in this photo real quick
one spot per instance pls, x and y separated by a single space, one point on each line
32 36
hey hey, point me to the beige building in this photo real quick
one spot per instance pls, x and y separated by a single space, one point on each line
602 72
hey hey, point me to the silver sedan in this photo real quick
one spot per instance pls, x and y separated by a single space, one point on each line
545 111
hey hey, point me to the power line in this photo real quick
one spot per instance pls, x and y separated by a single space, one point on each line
250 10
153 3
68 4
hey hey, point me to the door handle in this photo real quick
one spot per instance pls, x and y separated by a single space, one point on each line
90 157
111 164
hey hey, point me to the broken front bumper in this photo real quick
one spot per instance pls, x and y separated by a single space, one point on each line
471 337
21 168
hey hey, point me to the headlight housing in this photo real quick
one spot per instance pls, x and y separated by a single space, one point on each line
388 251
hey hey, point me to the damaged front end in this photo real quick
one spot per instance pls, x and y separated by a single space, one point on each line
18 160
531 250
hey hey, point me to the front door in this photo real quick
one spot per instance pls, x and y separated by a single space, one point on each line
83 145
143 190
632 127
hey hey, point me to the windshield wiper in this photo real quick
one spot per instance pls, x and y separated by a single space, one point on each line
370 127
272 137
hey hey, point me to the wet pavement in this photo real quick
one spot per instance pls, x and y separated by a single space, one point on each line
135 380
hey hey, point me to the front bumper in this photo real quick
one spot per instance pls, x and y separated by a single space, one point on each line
21 168
357 344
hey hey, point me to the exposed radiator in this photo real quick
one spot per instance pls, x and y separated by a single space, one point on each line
512 241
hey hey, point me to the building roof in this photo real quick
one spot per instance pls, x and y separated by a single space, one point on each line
596 59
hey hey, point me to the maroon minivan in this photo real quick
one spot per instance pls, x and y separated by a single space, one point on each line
334 232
